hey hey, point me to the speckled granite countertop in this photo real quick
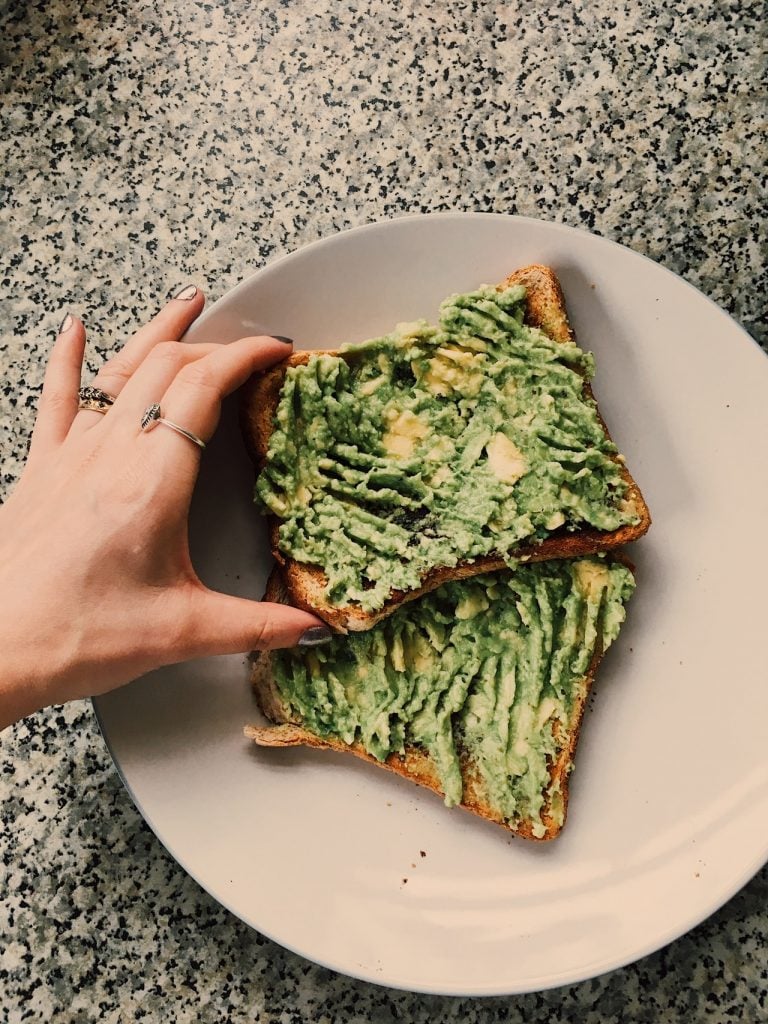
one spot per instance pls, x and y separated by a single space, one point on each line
145 145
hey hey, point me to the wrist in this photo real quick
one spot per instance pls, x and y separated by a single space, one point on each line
32 671
20 694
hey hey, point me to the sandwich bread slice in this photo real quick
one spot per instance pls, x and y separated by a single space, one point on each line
476 690
436 453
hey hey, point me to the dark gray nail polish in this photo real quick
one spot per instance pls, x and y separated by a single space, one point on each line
314 636
279 337
66 323
187 293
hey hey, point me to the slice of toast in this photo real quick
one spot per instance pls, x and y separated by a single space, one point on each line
414 761
306 584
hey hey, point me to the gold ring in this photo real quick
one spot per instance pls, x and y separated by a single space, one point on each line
95 399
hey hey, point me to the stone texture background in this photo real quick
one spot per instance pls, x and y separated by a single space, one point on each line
145 145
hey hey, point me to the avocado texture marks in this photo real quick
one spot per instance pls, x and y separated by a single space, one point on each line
487 675
435 445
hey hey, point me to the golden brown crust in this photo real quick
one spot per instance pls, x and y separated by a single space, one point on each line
259 398
544 300
415 763
545 308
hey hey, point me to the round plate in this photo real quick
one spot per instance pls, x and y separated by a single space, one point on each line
368 874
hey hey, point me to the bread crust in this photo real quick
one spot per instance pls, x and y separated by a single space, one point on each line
545 309
415 763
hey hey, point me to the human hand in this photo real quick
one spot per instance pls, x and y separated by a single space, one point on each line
96 582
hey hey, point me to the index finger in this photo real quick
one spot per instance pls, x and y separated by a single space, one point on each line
169 324
193 400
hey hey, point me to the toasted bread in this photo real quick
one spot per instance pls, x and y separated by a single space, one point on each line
415 763
306 584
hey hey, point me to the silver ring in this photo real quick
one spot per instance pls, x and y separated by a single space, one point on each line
94 399
152 416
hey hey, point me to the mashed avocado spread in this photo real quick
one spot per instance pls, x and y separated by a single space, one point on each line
487 668
433 445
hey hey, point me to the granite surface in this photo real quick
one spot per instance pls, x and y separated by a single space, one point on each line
144 145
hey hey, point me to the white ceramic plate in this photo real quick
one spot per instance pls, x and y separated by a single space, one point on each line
367 874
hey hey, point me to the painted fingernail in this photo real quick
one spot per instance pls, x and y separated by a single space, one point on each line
66 323
279 337
314 636
186 293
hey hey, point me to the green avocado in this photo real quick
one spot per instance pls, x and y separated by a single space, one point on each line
487 668
433 445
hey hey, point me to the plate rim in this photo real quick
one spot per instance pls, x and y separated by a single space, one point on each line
386 222
568 977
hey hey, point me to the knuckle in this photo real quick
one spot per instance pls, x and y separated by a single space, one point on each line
128 490
263 635
116 370
186 630
167 353
53 399
180 634
198 375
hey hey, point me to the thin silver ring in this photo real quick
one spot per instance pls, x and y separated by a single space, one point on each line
93 398
152 416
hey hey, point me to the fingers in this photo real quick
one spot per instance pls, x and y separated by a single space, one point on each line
221 624
170 324
155 375
58 400
193 399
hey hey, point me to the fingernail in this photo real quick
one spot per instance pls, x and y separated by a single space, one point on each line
66 323
314 636
279 337
186 293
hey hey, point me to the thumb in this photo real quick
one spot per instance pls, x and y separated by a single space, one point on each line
232 625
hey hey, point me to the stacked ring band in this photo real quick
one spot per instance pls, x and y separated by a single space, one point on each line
95 399
152 416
